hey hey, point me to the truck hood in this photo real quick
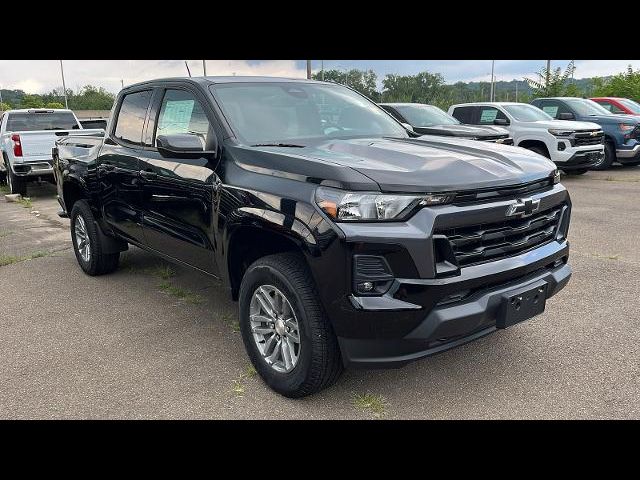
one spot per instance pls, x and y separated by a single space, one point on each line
425 164
612 119
568 124
468 131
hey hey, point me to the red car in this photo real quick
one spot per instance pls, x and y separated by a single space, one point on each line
618 105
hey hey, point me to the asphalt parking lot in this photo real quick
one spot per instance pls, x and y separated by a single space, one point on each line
155 340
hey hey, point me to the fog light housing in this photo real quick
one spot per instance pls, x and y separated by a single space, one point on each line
366 286
371 275
561 146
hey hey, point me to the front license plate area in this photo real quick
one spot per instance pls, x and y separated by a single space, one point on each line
522 304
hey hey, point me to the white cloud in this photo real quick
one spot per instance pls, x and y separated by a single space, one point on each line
40 76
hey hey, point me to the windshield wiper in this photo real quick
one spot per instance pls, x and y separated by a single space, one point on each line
289 145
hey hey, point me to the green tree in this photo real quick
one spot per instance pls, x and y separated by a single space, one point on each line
424 87
91 98
4 106
31 101
53 105
625 84
362 81
558 84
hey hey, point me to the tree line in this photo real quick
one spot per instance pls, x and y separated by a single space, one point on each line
424 87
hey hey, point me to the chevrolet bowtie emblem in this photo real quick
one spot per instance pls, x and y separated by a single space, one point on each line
523 208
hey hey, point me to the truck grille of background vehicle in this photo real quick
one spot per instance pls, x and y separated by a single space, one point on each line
492 241
585 138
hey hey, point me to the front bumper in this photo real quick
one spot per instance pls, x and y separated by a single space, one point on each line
628 155
447 326
583 159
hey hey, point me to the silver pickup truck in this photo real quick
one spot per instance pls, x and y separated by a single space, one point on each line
26 139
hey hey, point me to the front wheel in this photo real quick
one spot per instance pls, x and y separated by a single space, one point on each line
285 331
86 242
606 161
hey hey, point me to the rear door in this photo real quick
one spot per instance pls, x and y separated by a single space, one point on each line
466 114
118 166
178 193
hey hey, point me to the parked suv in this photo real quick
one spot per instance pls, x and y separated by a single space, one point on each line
430 120
619 106
346 241
622 132
574 146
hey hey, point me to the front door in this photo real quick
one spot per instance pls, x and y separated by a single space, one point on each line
118 170
177 193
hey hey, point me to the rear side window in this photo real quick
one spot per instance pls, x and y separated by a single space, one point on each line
489 114
29 122
464 114
130 121
180 112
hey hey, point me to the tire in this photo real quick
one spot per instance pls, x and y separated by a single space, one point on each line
15 183
318 364
578 171
609 158
96 262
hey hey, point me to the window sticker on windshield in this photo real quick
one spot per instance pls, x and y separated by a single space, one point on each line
488 116
176 116
550 110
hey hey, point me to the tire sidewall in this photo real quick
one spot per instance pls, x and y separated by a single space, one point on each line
268 275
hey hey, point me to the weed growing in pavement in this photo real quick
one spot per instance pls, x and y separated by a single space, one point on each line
375 404
9 259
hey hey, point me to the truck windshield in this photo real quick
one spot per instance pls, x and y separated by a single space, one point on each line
28 121
283 112
425 115
630 104
526 113
585 107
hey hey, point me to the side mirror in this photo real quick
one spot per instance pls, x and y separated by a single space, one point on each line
182 145
566 116
501 121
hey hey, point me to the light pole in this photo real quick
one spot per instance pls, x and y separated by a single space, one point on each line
308 69
322 69
204 67
64 87
492 87
548 73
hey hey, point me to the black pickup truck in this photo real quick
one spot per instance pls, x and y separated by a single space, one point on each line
346 240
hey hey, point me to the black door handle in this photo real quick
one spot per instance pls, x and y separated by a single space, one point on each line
147 174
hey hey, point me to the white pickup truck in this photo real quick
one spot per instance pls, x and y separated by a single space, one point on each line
26 139
574 146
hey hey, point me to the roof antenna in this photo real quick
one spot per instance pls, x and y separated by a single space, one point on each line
187 65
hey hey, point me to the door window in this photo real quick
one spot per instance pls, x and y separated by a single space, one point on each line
464 114
180 112
489 114
130 121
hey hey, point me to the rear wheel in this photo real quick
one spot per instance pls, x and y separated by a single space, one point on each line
606 161
284 329
15 183
86 242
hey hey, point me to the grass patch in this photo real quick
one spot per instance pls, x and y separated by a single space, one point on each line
9 259
180 293
374 404
164 272
25 202
614 179
238 387
250 371
4 189
232 322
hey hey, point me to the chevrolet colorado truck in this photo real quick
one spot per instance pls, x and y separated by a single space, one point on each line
430 120
26 139
345 239
621 132
575 147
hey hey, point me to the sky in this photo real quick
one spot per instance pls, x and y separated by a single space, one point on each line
41 76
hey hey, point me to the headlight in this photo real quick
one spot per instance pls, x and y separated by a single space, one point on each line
625 127
368 206
558 132
556 176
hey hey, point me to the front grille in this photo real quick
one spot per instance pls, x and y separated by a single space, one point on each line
503 192
493 241
586 138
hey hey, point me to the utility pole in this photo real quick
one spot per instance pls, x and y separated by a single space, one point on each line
187 65
204 67
548 73
516 90
64 87
122 83
308 69
492 87
322 69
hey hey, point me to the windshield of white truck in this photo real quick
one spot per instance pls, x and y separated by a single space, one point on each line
283 112
29 122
